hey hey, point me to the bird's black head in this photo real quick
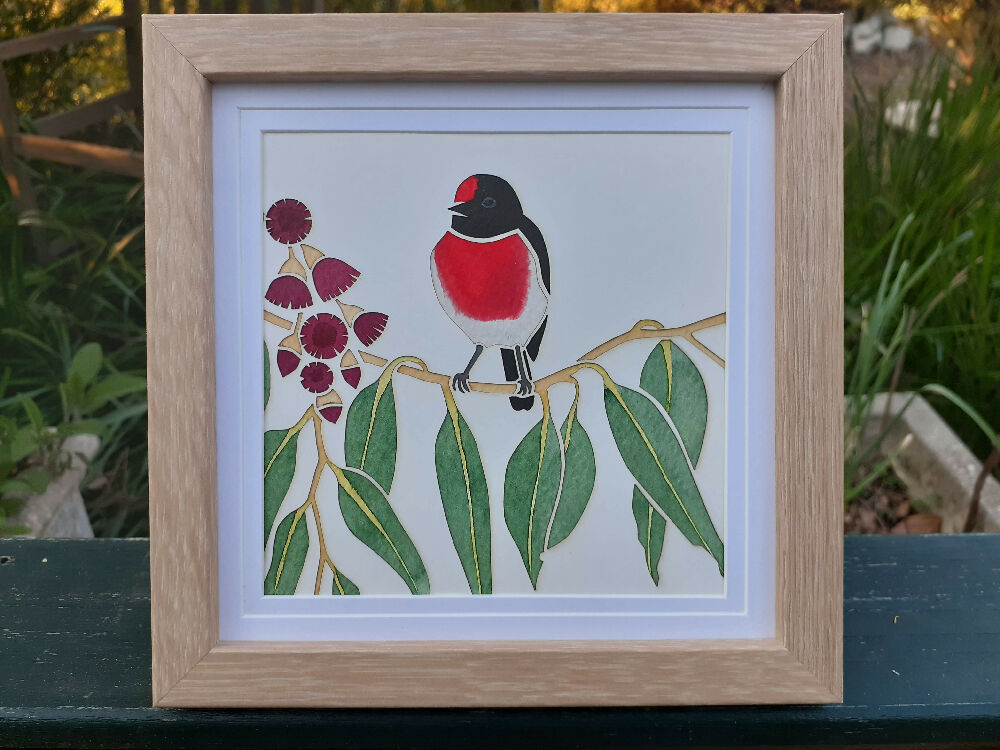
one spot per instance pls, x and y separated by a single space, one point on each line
485 206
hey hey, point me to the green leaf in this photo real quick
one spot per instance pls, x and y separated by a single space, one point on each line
343 586
465 497
110 388
33 412
371 519
15 484
23 445
80 427
267 376
651 529
578 478
530 490
73 392
370 433
86 363
280 448
673 380
655 458
36 478
291 542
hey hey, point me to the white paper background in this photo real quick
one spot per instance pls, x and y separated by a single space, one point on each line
636 226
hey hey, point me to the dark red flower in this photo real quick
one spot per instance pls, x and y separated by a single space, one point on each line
331 413
332 277
287 362
350 369
289 292
316 377
324 335
288 221
369 326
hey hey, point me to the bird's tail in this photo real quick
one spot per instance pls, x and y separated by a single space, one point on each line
518 403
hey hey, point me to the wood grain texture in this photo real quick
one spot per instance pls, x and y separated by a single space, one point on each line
493 47
181 362
800 53
809 357
515 674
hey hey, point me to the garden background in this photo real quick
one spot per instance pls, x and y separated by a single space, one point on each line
922 224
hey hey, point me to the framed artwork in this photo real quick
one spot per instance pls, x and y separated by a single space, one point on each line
500 379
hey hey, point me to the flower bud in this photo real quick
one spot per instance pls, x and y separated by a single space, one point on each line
369 326
332 277
289 292
350 369
330 406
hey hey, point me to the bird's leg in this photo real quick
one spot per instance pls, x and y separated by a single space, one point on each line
524 384
460 381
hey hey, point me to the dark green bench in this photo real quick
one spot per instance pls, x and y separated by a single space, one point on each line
922 665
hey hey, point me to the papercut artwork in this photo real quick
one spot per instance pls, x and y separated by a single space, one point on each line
491 275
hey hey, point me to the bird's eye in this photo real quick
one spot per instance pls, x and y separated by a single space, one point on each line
489 202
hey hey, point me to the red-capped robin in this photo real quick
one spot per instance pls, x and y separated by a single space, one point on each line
491 276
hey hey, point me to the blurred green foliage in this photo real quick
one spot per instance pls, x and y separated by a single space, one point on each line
94 291
921 227
940 163
32 452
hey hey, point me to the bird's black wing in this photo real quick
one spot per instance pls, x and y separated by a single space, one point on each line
534 237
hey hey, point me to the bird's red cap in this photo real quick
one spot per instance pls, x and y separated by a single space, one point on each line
467 190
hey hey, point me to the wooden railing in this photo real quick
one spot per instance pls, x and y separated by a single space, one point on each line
49 144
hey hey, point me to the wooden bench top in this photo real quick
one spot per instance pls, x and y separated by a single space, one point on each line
922 665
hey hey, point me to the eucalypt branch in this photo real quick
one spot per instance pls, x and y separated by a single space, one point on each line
291 539
644 329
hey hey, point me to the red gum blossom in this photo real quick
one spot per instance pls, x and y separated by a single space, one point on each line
332 277
287 362
369 326
331 413
289 292
352 376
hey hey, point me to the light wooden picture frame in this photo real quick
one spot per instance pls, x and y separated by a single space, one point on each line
800 56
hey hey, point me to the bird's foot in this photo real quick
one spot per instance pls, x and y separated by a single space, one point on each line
460 382
525 387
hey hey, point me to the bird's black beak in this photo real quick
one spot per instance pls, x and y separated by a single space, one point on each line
462 209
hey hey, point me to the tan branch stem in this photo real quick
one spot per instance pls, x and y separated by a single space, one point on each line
277 320
321 463
650 329
644 329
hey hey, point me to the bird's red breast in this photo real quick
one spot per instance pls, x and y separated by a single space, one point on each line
485 280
